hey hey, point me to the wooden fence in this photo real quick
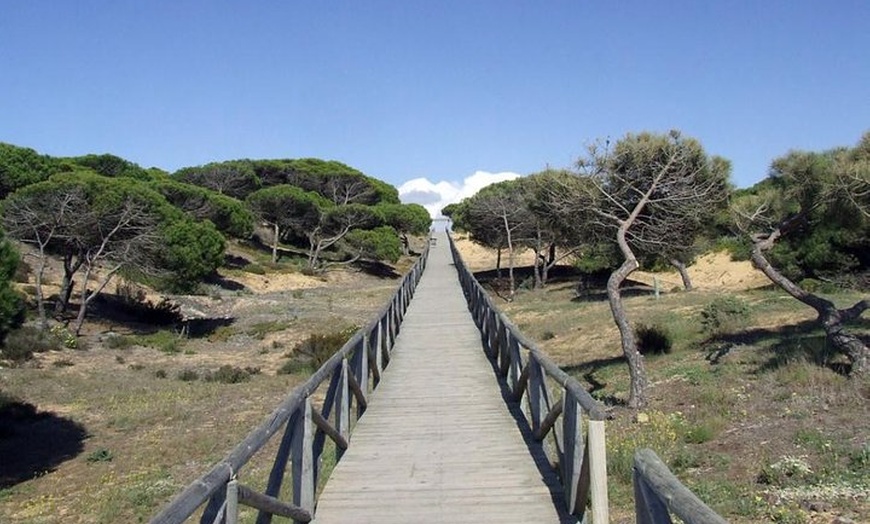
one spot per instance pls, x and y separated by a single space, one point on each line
352 372
658 494
528 372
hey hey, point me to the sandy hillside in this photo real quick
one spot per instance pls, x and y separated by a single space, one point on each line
713 271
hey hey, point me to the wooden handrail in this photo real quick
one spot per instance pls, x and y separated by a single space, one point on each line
527 371
658 493
304 427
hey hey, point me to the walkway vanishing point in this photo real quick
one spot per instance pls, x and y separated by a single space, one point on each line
436 436
437 443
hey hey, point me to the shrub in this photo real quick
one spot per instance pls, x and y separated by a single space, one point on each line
119 342
255 269
315 350
227 374
63 363
725 314
164 341
652 340
22 343
160 373
100 455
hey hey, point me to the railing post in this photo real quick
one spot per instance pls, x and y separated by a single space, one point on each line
231 513
538 401
575 466
362 369
342 408
598 472
303 462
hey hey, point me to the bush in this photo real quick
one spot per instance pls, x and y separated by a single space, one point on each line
227 374
652 340
255 269
22 343
314 351
725 314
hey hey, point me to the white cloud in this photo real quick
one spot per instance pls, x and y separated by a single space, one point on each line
435 195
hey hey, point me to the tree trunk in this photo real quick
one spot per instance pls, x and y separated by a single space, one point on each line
833 320
498 263
684 273
275 232
40 296
71 264
510 246
636 371
540 262
406 249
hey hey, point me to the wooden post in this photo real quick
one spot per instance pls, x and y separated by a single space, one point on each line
303 466
362 371
342 408
539 404
598 472
231 513
575 466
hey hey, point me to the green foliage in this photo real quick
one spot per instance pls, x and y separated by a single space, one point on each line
409 219
21 166
230 216
165 341
234 178
652 339
193 250
11 305
314 351
100 455
22 343
725 314
110 166
228 374
380 243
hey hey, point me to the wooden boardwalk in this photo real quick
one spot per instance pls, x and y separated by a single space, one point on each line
438 443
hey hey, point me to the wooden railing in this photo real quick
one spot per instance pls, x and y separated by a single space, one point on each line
658 494
528 372
352 372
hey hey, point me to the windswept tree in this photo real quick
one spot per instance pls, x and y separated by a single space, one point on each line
230 216
645 191
336 222
497 217
406 219
235 178
99 226
287 209
805 222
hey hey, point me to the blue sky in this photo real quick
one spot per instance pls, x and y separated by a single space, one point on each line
434 90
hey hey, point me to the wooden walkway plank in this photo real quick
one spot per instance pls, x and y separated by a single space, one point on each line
437 443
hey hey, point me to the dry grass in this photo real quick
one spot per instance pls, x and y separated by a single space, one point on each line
133 433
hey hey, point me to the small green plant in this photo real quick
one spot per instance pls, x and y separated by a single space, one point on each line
160 373
786 471
725 314
120 360
100 455
261 329
119 342
548 335
63 363
66 338
254 269
165 341
652 340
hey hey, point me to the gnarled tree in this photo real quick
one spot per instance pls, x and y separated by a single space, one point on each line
806 201
644 191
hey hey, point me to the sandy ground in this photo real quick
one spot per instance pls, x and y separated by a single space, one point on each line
712 271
